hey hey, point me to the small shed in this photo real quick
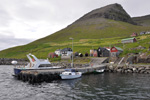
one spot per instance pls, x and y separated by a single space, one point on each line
128 40
115 51
80 55
52 55
134 35
76 54
91 52
86 54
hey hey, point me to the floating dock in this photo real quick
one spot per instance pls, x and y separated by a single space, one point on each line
48 75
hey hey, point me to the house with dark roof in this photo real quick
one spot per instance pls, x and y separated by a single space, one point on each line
128 40
103 52
66 52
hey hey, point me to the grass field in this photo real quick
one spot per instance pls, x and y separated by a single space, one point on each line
82 45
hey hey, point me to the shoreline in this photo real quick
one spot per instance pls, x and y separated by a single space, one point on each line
132 68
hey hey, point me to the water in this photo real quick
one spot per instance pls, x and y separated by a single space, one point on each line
107 86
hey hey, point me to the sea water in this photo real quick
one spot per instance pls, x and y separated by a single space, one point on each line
106 86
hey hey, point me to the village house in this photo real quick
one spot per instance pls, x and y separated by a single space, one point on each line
52 55
147 32
142 33
115 51
103 52
66 52
128 40
134 35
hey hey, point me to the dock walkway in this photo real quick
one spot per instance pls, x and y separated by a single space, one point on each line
47 75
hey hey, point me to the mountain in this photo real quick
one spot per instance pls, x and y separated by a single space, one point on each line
113 11
99 23
100 27
143 20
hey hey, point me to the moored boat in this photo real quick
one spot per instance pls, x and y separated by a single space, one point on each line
70 74
34 64
98 71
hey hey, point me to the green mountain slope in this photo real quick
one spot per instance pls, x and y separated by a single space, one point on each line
143 20
101 27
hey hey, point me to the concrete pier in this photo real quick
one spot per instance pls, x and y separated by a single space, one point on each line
48 75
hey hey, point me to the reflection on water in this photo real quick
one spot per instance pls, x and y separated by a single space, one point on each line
106 86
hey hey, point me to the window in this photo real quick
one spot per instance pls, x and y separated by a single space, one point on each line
45 65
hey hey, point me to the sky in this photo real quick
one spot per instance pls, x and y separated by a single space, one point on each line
24 21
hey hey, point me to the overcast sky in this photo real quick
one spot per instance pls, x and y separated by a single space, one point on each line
23 21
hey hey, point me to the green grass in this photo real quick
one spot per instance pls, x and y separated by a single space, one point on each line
86 37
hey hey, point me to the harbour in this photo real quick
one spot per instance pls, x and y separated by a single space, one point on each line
48 75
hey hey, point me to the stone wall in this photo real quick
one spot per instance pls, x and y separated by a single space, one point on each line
129 69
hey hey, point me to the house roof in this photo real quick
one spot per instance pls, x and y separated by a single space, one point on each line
58 50
119 48
128 39
66 49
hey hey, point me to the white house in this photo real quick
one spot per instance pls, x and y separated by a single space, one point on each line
66 52
58 52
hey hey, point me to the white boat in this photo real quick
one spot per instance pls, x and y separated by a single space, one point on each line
98 71
70 74
34 63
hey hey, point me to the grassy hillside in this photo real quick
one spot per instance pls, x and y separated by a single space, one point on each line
143 20
91 30
87 37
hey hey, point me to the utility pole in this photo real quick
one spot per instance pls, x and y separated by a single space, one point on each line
72 51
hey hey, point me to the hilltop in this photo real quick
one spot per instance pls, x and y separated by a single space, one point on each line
113 11
101 27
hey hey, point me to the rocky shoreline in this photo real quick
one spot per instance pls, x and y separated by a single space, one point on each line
142 69
7 61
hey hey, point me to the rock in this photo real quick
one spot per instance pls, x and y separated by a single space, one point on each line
129 71
111 67
119 70
142 71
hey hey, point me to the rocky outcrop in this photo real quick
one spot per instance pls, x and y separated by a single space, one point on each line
113 11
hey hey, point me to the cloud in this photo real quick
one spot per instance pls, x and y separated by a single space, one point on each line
9 41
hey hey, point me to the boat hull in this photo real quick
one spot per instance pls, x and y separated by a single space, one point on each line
98 71
17 71
70 76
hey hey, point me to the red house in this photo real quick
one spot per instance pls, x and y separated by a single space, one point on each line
52 55
134 34
115 51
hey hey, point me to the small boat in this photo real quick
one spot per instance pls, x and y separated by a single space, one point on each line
98 71
70 74
34 64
